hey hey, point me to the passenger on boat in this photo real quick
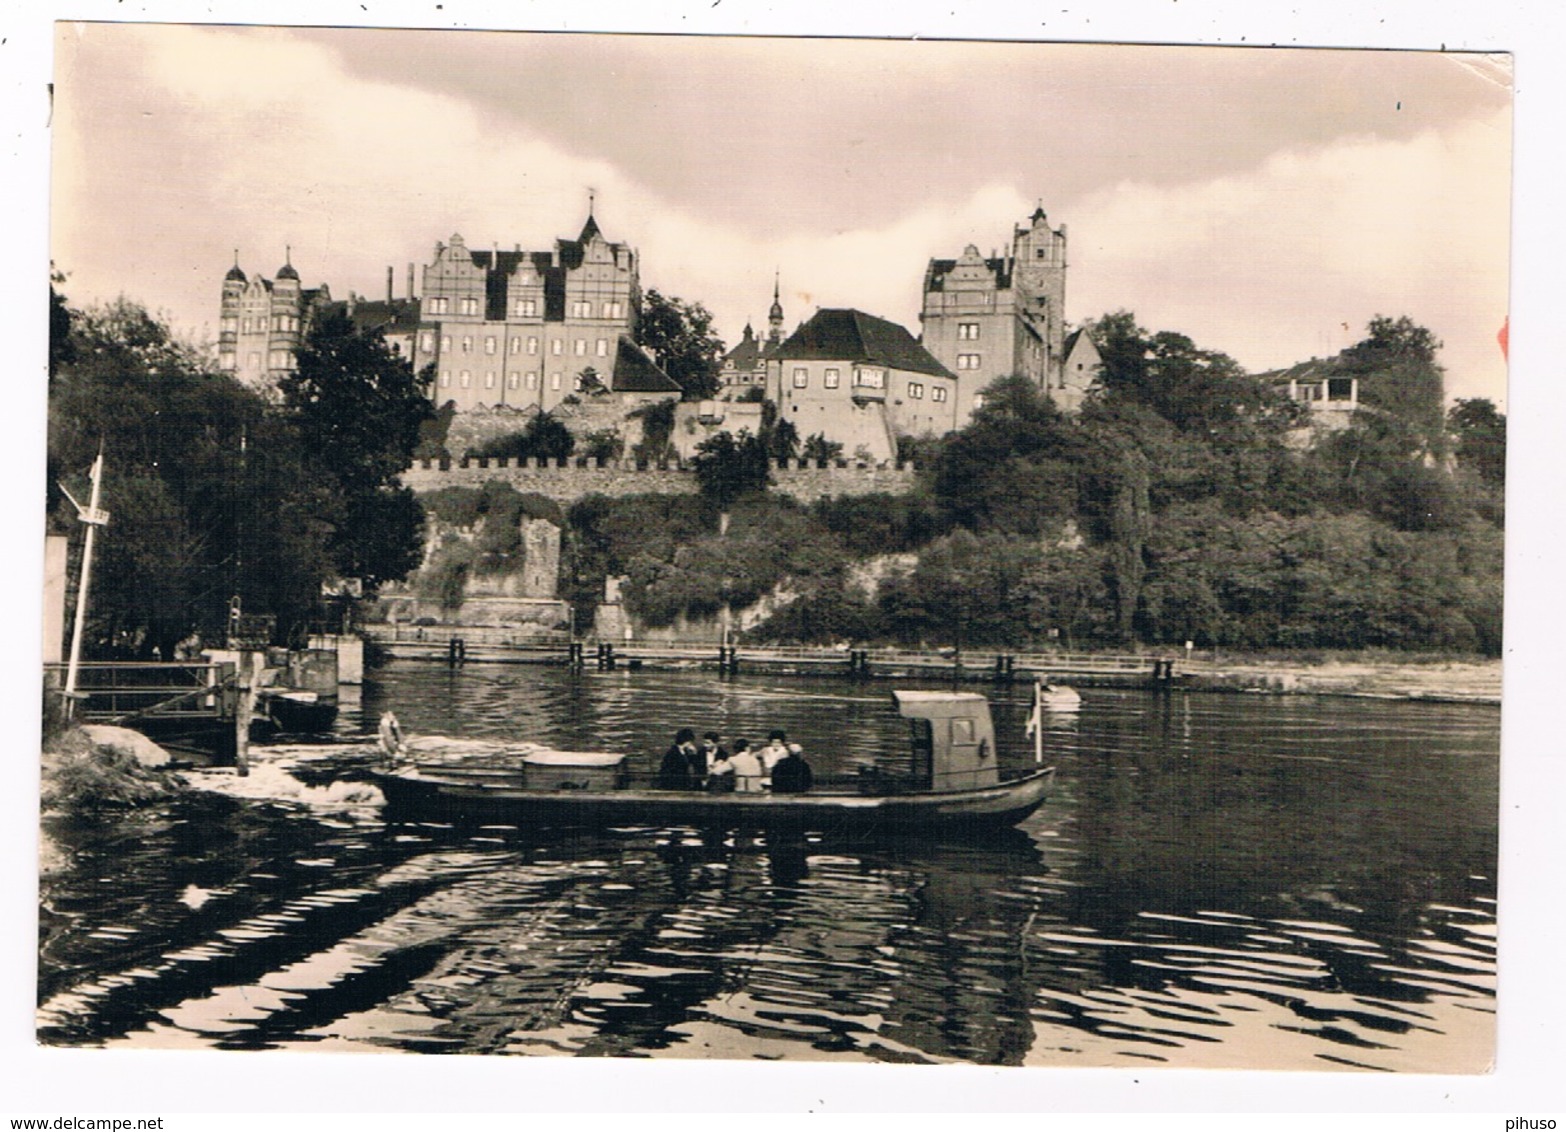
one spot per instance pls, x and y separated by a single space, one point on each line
709 753
748 771
774 751
792 774
720 773
674 773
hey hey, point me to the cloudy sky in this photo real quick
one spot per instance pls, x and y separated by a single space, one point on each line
1267 202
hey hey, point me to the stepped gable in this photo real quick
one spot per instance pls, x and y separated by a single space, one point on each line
935 274
853 335
635 372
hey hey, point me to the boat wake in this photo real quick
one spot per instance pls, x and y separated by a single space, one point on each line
271 779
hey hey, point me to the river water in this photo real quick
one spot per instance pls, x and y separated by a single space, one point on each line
1218 881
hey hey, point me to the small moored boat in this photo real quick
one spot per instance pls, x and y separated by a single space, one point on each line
952 782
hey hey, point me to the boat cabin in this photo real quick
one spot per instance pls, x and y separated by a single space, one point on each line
953 739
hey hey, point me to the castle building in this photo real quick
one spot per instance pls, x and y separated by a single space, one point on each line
528 329
985 318
861 381
262 323
745 366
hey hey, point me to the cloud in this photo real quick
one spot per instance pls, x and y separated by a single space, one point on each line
177 144
1294 258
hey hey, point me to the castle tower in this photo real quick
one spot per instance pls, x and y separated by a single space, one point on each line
991 317
1039 278
228 317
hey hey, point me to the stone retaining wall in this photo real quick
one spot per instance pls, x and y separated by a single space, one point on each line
567 481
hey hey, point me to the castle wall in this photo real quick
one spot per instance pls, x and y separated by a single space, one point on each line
566 482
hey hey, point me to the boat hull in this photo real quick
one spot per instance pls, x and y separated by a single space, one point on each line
443 795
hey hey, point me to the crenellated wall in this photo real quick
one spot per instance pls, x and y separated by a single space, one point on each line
567 481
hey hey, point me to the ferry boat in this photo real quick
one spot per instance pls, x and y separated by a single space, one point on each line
952 782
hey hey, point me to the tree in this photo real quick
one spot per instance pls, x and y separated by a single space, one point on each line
680 336
1398 372
1012 468
1481 438
730 467
209 490
358 407
818 449
544 438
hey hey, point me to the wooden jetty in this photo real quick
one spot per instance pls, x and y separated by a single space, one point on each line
457 645
187 706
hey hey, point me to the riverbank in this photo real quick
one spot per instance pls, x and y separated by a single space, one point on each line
1434 680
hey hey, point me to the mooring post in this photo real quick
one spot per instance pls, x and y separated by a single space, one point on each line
248 675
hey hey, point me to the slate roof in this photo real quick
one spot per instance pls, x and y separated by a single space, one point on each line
635 372
1314 370
747 354
400 316
854 336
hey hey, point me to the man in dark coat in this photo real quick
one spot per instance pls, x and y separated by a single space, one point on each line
792 773
674 773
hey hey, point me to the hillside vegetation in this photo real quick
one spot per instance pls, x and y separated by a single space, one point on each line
1178 505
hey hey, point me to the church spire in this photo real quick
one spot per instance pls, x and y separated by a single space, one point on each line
775 315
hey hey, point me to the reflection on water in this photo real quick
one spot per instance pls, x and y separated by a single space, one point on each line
1219 881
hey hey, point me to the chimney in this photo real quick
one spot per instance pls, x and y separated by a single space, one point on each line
388 285
410 282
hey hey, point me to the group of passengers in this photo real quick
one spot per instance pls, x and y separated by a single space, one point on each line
778 765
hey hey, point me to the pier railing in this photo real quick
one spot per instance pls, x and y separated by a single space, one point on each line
458 644
124 691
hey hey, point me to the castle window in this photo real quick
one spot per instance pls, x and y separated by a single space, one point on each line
511 381
445 378
532 381
581 347
870 378
466 378
438 306
532 345
831 378
489 380
489 343
527 308
470 306
445 343
968 331
554 381
801 377
427 342
937 392
581 308
915 391
556 346
967 361
246 325
978 402
614 310
516 345
603 347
